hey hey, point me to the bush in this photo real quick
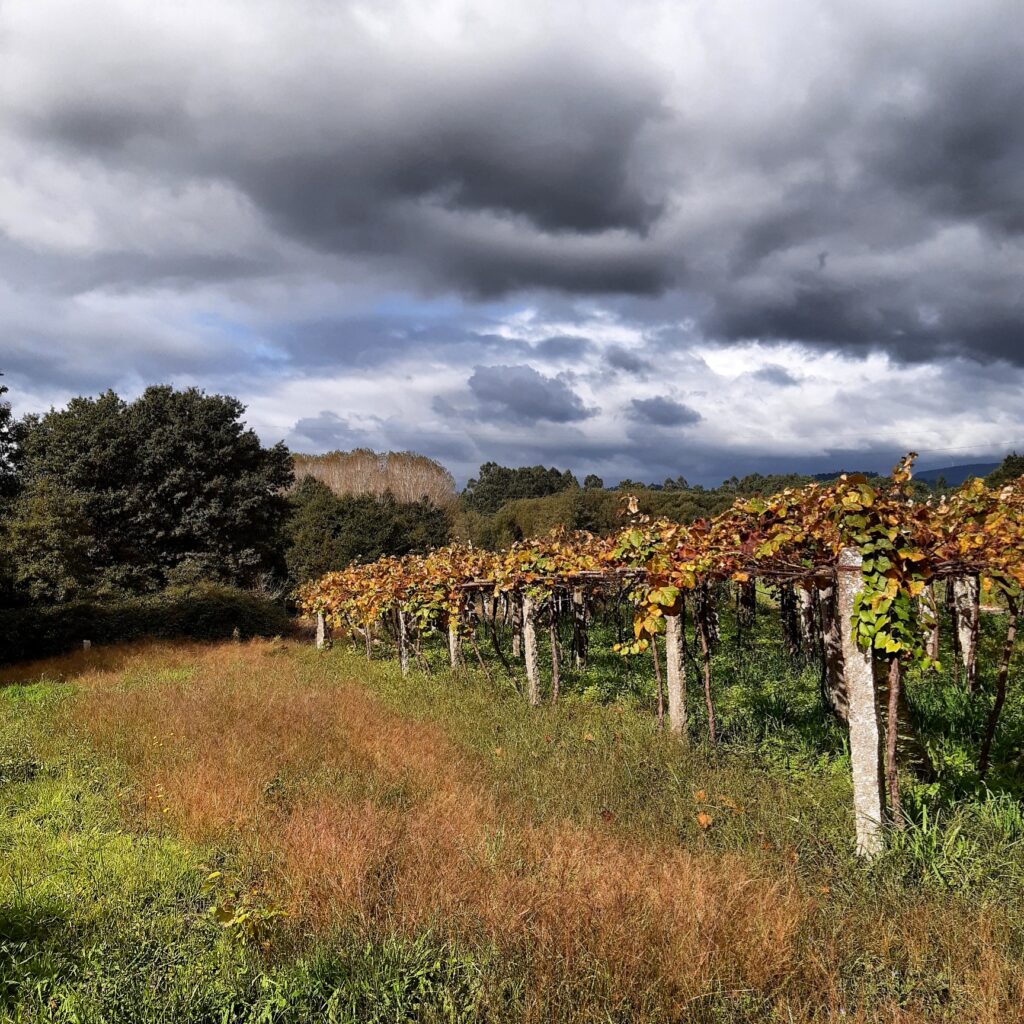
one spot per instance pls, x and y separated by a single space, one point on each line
328 532
205 612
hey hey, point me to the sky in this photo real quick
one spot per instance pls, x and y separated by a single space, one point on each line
636 239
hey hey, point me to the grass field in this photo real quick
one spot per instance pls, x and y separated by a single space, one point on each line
263 832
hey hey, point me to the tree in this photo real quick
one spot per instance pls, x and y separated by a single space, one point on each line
327 531
9 434
592 482
10 431
495 485
48 543
1009 470
172 487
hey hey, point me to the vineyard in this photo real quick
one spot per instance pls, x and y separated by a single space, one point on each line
856 570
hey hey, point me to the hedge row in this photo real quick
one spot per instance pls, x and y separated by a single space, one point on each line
206 612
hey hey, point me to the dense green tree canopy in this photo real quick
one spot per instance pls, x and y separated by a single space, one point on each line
328 531
170 488
495 485
48 543
9 430
601 511
1011 468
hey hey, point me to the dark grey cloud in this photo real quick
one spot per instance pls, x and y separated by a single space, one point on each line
571 165
777 376
363 217
662 411
327 431
889 317
549 140
627 360
520 394
563 348
375 342
959 148
488 180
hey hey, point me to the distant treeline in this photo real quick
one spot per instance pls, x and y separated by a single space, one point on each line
108 500
593 507
503 504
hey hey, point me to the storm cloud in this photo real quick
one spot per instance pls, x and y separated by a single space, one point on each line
662 411
519 394
453 225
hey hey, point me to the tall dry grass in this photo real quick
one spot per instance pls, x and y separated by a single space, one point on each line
407 475
352 815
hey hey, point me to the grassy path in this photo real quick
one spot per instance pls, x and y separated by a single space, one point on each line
261 832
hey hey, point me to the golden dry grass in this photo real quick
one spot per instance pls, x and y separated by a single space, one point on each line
346 813
354 814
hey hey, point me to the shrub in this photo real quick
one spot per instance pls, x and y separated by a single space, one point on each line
204 612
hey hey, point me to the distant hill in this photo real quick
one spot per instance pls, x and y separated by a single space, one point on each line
956 475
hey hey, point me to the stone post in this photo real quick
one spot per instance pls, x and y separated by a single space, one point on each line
865 731
530 650
676 667
579 627
403 643
454 642
966 602
805 597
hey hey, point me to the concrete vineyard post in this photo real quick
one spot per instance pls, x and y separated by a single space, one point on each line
966 601
403 644
676 674
806 601
321 631
454 642
555 663
530 650
930 607
579 627
865 731
517 627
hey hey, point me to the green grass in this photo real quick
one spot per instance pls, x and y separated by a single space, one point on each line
101 920
100 923
780 758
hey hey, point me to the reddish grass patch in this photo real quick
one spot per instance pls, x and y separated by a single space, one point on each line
349 814
355 815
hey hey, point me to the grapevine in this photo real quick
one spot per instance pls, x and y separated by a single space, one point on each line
791 537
